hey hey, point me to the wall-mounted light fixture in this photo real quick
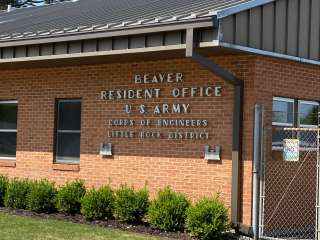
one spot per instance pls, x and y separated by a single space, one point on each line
106 149
212 154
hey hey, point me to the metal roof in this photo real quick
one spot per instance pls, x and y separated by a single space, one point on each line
88 16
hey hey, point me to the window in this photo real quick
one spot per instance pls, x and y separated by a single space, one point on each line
8 129
284 115
68 131
308 114
283 112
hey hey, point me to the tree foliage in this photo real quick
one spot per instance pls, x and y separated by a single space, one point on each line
4 3
22 3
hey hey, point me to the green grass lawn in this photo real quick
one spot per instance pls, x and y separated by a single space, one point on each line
26 228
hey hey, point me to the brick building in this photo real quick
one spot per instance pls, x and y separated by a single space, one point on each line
154 92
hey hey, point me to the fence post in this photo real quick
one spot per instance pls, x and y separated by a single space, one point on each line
256 170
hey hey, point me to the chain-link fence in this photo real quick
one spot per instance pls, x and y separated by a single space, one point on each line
289 183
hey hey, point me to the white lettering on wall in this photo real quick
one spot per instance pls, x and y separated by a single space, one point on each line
158 78
171 108
196 92
157 109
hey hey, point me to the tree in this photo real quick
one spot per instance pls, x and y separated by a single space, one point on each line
4 3
24 3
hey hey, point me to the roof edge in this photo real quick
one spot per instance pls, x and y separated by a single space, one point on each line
268 53
241 7
124 31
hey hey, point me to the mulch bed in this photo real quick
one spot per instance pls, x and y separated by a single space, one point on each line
113 224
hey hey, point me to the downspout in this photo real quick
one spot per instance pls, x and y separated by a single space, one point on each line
236 122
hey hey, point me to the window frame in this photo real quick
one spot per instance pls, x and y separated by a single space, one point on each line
10 130
282 99
296 116
313 103
58 159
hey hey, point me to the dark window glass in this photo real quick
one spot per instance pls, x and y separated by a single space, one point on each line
69 115
8 129
68 130
8 116
282 112
8 144
68 146
282 116
308 114
278 135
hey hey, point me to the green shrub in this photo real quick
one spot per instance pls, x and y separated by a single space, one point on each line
207 219
3 187
41 197
131 205
68 199
98 204
167 211
16 194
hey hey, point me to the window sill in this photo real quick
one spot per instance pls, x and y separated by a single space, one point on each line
277 149
7 163
66 167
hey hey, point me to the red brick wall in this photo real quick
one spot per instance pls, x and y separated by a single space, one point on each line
158 163
290 186
282 78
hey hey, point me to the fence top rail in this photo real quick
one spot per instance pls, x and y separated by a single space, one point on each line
302 129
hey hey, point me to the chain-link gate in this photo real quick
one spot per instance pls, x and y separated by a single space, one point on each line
289 183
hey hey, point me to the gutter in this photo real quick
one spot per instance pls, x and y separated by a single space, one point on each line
237 119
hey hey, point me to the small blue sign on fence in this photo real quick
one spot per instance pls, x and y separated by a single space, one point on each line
291 150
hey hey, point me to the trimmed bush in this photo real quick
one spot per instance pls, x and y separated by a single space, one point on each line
130 205
207 219
16 194
98 204
167 211
41 197
3 187
68 199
